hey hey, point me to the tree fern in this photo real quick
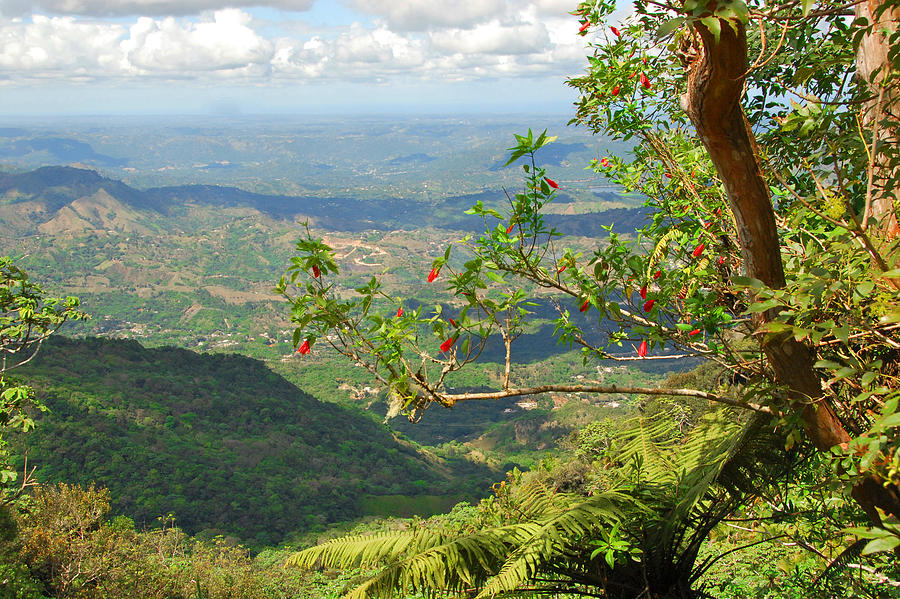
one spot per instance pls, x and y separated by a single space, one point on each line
499 559
665 499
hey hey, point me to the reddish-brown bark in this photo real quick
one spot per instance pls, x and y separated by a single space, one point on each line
713 103
881 114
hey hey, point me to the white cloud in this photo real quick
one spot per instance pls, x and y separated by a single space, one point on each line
492 38
223 44
59 47
419 15
558 8
111 8
358 53
488 39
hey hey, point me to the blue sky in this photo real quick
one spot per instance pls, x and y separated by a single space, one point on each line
286 56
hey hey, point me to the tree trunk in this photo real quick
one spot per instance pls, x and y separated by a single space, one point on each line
881 114
712 102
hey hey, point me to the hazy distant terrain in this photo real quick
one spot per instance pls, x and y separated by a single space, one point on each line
175 232
377 157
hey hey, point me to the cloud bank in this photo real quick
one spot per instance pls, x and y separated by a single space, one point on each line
202 41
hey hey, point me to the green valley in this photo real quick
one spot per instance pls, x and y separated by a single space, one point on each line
221 442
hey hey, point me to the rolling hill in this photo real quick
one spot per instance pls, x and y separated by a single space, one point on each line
221 441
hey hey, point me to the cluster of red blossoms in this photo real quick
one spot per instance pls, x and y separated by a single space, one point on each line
304 347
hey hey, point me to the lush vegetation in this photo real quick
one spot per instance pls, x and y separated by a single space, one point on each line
765 139
219 441
772 253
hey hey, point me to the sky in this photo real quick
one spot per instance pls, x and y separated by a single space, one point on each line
243 57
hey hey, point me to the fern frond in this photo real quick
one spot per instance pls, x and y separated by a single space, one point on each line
365 550
545 539
460 564
702 456
647 443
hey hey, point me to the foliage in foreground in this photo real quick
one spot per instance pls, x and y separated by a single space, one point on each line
638 520
775 260
27 319
66 546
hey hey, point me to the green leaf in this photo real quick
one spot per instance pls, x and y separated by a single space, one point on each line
891 421
763 306
891 317
807 5
747 282
741 10
843 334
714 26
669 26
865 288
879 545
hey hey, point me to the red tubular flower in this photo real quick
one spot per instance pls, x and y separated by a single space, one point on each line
645 81
453 322
630 54
721 260
446 345
644 60
399 311
698 250
648 305
615 31
644 292
551 183
560 269
657 274
642 349
585 306
604 162
304 348
694 332
316 272
668 175
615 91
510 228
584 27
433 274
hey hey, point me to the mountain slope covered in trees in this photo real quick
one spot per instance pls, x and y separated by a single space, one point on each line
219 440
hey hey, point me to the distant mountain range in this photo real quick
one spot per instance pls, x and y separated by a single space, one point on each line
58 149
59 199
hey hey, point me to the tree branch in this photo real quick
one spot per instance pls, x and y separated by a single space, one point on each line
602 389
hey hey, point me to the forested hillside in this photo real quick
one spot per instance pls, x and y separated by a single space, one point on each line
219 440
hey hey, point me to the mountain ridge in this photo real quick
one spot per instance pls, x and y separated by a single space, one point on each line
48 189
